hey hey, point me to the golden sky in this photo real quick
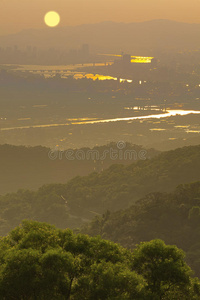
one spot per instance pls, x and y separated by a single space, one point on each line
16 15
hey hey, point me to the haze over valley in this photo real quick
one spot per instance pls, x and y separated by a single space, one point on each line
100 151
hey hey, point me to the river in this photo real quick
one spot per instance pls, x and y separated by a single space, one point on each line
167 114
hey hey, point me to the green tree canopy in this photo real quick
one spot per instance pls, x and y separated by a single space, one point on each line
40 262
165 270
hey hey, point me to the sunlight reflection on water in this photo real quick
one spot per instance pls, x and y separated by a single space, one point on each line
169 113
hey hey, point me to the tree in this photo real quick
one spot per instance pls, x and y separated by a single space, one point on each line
110 281
20 274
40 262
165 270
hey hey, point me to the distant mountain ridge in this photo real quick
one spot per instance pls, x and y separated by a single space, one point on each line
145 37
30 167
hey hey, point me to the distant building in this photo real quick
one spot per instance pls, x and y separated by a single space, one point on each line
126 58
85 50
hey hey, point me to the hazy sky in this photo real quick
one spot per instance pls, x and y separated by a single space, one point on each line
20 14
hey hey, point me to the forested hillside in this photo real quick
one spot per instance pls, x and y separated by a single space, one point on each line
40 262
31 167
118 187
172 217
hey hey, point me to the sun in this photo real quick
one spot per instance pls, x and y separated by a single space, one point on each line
52 18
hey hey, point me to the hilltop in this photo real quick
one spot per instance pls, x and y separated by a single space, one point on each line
109 36
31 167
118 187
